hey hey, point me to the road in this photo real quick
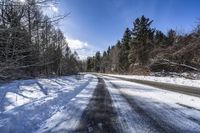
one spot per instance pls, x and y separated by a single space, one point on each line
103 104
194 91
122 106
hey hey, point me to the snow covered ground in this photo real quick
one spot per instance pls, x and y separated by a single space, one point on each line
28 104
171 80
20 92
80 103
143 108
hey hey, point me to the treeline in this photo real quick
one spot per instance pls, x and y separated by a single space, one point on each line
144 49
30 43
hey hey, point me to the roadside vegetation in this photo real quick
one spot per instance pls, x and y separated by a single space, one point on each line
144 49
31 44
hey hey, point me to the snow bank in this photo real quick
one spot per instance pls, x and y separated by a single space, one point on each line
26 104
20 92
171 80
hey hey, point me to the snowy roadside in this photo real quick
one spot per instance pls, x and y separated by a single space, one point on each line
170 80
67 119
20 92
173 112
28 103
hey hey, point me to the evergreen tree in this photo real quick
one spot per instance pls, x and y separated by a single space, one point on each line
97 61
171 37
141 43
90 64
124 51
30 44
159 39
114 57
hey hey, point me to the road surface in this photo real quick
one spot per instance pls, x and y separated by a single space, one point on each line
121 106
111 105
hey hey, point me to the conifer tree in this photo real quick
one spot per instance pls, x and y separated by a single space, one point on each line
124 51
141 42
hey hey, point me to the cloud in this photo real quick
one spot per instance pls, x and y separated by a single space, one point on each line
83 49
75 44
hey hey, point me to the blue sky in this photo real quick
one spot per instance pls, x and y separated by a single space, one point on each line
95 24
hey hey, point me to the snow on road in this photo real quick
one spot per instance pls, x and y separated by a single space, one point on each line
128 120
171 80
88 103
67 119
146 109
28 104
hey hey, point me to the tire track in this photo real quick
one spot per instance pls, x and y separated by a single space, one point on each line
143 113
149 118
99 116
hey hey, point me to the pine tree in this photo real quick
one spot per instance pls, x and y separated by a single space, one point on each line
159 39
114 57
97 61
30 43
141 43
171 37
124 50
90 64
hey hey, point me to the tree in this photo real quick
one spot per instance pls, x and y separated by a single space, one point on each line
30 43
97 61
171 37
124 51
105 62
90 64
141 43
147 49
159 39
114 57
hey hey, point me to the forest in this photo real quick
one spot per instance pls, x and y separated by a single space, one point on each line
144 49
31 44
99 66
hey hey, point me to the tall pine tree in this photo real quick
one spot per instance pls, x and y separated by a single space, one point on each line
141 43
124 51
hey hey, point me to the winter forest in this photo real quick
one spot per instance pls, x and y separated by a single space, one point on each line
99 66
31 44
144 49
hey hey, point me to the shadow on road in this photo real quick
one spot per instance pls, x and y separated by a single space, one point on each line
99 116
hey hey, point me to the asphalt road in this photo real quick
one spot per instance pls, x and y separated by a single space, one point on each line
119 106
99 116
193 91
103 104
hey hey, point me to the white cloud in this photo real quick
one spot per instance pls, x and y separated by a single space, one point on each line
75 44
82 48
